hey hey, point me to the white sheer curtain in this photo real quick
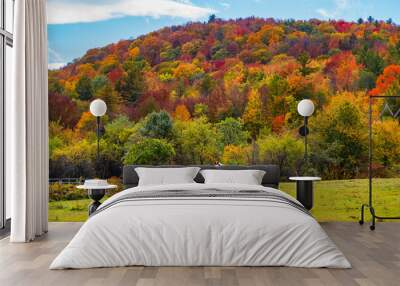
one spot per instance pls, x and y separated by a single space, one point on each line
27 124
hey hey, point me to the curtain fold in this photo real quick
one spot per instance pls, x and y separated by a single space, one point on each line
27 123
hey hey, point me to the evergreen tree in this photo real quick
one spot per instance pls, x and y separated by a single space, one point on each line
304 60
132 85
84 88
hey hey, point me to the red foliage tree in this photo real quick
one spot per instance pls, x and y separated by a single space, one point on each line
63 110
277 123
342 26
115 75
343 70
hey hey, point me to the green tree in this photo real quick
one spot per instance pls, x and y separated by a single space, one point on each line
114 145
150 151
55 143
394 51
283 150
54 85
132 84
232 132
198 142
212 18
99 82
200 110
367 80
84 88
371 60
169 53
110 96
206 85
262 55
157 125
304 60
338 137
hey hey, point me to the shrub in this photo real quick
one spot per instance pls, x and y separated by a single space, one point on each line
67 192
62 192
285 151
150 151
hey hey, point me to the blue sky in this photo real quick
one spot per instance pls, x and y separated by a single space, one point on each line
78 25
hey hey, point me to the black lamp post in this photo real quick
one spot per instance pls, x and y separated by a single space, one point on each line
98 108
305 109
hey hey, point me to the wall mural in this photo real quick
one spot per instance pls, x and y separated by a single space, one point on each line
204 89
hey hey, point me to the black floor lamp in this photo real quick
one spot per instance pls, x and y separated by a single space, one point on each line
98 108
305 108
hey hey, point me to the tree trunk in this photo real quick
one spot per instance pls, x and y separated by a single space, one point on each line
254 150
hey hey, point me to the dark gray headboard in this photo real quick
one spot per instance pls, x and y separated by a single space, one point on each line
271 177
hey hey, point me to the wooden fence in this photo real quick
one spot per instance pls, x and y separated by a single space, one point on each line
63 181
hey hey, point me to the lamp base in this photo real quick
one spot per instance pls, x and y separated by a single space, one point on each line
96 195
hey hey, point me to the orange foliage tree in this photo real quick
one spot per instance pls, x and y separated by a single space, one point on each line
388 83
182 113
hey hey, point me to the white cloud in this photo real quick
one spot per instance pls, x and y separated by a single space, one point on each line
56 61
226 5
54 56
56 66
339 7
324 13
341 4
84 11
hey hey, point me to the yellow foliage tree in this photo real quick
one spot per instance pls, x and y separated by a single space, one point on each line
108 63
236 155
86 70
387 142
253 118
186 71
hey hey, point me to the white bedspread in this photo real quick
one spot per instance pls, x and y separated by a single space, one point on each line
199 231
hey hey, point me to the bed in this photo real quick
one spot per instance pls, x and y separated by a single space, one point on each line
198 224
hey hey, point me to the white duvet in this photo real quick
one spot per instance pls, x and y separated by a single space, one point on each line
202 232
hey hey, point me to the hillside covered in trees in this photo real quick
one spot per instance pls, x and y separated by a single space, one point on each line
227 90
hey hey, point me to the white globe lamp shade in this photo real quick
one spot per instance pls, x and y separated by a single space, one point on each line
98 107
305 107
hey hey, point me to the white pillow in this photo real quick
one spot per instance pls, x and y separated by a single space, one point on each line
248 177
166 176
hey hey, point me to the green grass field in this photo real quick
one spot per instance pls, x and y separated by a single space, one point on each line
333 200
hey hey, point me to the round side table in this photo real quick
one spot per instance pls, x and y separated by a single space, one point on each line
305 190
96 193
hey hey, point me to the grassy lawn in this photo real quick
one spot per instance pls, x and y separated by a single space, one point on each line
333 200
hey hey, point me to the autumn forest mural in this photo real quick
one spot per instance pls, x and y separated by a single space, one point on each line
227 91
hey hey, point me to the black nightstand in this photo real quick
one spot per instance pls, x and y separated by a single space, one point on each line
305 190
96 193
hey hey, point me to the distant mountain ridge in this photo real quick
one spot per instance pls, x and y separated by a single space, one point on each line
214 65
